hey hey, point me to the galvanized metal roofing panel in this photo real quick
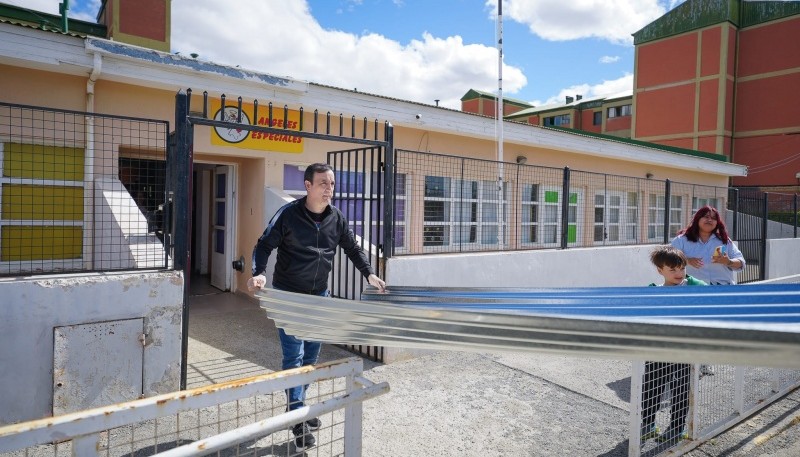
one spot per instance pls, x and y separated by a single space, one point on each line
742 325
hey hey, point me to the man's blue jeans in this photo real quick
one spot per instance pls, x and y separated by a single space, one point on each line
298 353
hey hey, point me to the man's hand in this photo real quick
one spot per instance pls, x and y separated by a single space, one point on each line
377 282
257 283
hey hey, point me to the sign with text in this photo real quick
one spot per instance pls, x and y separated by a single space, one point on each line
241 138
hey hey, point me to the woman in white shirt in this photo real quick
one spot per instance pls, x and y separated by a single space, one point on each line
712 256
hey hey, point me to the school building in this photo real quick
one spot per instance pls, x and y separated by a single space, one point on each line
717 76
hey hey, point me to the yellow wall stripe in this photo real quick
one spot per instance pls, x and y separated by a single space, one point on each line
26 202
37 161
40 243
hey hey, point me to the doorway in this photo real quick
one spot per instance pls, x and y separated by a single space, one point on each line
213 223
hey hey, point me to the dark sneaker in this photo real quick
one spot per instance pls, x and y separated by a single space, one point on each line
314 424
302 436
649 432
672 435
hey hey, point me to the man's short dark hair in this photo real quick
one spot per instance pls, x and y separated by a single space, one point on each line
668 256
314 168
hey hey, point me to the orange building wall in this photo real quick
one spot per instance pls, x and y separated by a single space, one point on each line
615 124
769 48
768 103
586 122
667 61
470 106
143 18
658 112
768 159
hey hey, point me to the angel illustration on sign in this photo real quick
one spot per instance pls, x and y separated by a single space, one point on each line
230 134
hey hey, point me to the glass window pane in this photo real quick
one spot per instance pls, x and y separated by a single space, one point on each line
549 234
437 186
435 235
572 214
219 241
489 212
551 196
220 213
598 215
221 180
437 211
633 199
489 234
613 233
613 215
599 199
598 233
293 178
550 213
616 200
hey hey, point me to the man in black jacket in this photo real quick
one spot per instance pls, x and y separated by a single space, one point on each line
306 233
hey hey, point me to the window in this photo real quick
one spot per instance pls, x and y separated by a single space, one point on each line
616 217
699 202
462 212
541 216
617 111
562 120
655 213
597 118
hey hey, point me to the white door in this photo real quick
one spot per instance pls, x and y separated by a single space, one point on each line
222 227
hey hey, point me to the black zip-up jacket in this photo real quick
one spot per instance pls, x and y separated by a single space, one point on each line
305 252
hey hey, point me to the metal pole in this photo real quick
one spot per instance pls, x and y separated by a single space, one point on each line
183 214
794 211
388 198
565 209
667 192
762 263
735 213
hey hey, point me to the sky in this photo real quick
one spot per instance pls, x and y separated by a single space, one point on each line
416 50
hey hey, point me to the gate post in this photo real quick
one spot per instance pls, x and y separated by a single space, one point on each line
388 198
565 209
735 192
762 266
667 208
182 210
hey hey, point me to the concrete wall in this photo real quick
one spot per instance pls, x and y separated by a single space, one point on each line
783 257
581 267
33 308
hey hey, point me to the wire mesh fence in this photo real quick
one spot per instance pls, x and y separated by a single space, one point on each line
456 204
80 191
246 417
674 407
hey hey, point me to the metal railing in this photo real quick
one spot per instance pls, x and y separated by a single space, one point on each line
713 399
80 191
242 417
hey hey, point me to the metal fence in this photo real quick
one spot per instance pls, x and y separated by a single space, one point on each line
242 417
676 407
80 191
447 204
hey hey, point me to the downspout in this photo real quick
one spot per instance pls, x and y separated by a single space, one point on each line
88 166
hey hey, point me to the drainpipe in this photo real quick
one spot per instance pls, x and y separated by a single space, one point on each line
88 166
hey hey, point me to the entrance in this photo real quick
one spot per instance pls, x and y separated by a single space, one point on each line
213 229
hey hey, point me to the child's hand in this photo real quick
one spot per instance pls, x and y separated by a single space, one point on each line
696 262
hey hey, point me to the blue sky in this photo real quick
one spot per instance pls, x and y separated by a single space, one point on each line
418 50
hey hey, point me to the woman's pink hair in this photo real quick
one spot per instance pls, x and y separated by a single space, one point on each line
692 231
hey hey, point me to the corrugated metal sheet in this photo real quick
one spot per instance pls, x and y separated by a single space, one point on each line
740 325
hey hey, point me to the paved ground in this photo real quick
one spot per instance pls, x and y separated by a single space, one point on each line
474 404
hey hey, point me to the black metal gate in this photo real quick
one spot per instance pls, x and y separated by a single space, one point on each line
372 154
750 219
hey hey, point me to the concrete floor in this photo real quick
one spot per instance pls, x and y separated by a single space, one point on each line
471 404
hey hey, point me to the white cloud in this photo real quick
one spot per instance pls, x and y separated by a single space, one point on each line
557 20
609 59
246 33
605 88
51 7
